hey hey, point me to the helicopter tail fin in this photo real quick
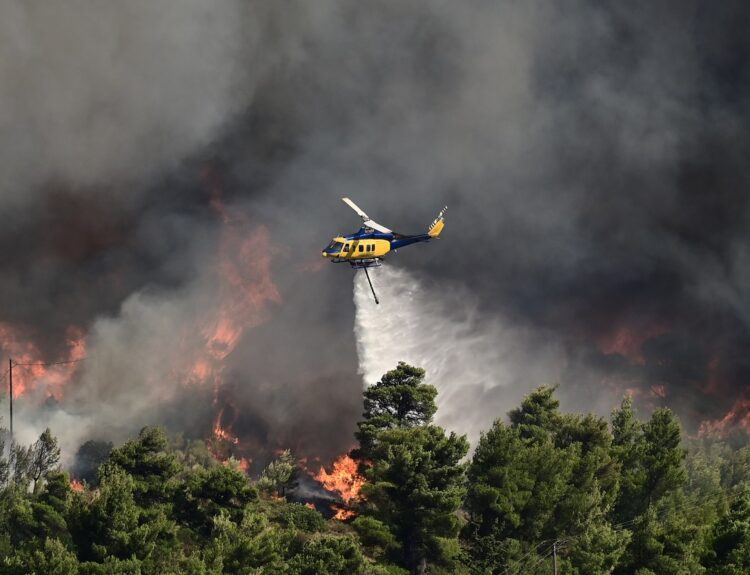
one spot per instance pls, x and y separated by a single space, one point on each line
438 224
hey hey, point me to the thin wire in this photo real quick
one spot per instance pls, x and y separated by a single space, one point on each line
620 526
14 364
47 364
659 514
542 558
533 550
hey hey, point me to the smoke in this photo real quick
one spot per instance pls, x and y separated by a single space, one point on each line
593 156
481 364
108 96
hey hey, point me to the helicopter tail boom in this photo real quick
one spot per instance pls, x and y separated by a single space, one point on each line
438 224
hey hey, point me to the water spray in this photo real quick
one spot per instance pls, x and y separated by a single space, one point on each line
481 365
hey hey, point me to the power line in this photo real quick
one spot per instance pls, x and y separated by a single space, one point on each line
686 506
9 372
47 364
549 552
533 550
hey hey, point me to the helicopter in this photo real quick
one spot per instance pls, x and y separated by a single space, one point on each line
367 247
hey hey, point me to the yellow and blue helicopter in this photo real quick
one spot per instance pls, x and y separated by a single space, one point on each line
368 246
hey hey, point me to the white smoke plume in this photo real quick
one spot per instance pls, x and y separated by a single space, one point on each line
128 376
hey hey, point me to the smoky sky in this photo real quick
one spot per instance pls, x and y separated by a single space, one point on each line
593 156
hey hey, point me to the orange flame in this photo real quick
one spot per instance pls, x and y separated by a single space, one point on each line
342 514
737 416
221 433
30 371
77 486
244 289
344 478
658 390
629 342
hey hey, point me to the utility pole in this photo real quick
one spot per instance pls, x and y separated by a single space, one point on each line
554 556
10 383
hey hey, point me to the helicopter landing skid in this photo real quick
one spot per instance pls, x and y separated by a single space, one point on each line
360 264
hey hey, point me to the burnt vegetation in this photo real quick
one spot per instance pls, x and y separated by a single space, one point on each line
591 495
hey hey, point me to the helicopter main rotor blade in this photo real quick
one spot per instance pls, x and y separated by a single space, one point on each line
356 208
365 218
377 226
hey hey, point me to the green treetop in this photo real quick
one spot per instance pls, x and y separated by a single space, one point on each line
415 481
400 399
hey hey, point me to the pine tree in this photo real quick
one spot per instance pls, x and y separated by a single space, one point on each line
652 477
538 416
545 477
209 492
89 457
280 475
415 485
5 467
151 466
400 399
728 550
44 456
415 481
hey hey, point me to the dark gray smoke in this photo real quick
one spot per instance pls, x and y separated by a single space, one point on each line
593 155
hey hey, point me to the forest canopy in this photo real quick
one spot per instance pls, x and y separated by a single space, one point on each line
624 495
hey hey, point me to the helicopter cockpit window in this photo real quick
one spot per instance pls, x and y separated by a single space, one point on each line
334 246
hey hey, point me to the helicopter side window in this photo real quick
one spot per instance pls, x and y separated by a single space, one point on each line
361 248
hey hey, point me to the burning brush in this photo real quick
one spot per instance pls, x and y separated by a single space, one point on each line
344 481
